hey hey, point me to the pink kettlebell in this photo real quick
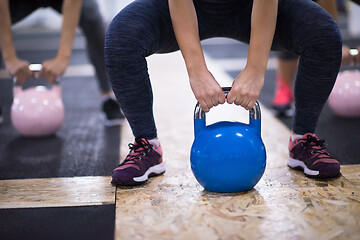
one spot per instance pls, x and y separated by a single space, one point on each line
37 111
344 99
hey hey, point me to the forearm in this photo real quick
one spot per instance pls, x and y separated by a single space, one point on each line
185 26
330 7
263 22
6 40
71 14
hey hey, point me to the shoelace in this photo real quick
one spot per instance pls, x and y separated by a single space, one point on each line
137 151
316 145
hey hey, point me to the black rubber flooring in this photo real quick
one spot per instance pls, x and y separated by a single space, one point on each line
80 223
82 147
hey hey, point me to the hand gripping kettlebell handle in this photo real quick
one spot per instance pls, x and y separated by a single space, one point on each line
35 68
255 112
354 53
200 118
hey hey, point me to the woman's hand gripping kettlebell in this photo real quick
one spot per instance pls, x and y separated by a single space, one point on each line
246 88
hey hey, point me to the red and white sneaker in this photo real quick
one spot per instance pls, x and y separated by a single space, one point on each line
309 154
283 99
143 161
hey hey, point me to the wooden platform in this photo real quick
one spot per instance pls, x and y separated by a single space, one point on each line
283 205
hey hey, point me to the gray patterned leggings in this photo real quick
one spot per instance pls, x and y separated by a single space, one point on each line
144 28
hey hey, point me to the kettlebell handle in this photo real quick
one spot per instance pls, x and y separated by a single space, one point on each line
200 118
36 68
354 52
255 112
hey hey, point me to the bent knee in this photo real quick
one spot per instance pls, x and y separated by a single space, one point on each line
135 28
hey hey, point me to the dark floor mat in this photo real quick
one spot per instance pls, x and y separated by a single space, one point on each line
82 147
90 222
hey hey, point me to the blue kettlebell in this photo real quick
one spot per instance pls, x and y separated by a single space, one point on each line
228 156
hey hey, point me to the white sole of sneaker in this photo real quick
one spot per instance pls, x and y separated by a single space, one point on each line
157 170
294 163
111 123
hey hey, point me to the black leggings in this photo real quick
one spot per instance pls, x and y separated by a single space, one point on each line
144 28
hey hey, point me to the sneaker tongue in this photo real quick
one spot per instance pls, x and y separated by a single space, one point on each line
133 153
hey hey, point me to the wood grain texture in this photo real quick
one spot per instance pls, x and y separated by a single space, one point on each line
56 192
283 205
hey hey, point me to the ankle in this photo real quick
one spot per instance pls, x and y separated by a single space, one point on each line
295 136
106 96
154 141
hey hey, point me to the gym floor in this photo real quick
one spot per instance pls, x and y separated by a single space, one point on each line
59 187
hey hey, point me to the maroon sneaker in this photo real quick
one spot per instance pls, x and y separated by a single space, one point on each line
309 154
143 161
